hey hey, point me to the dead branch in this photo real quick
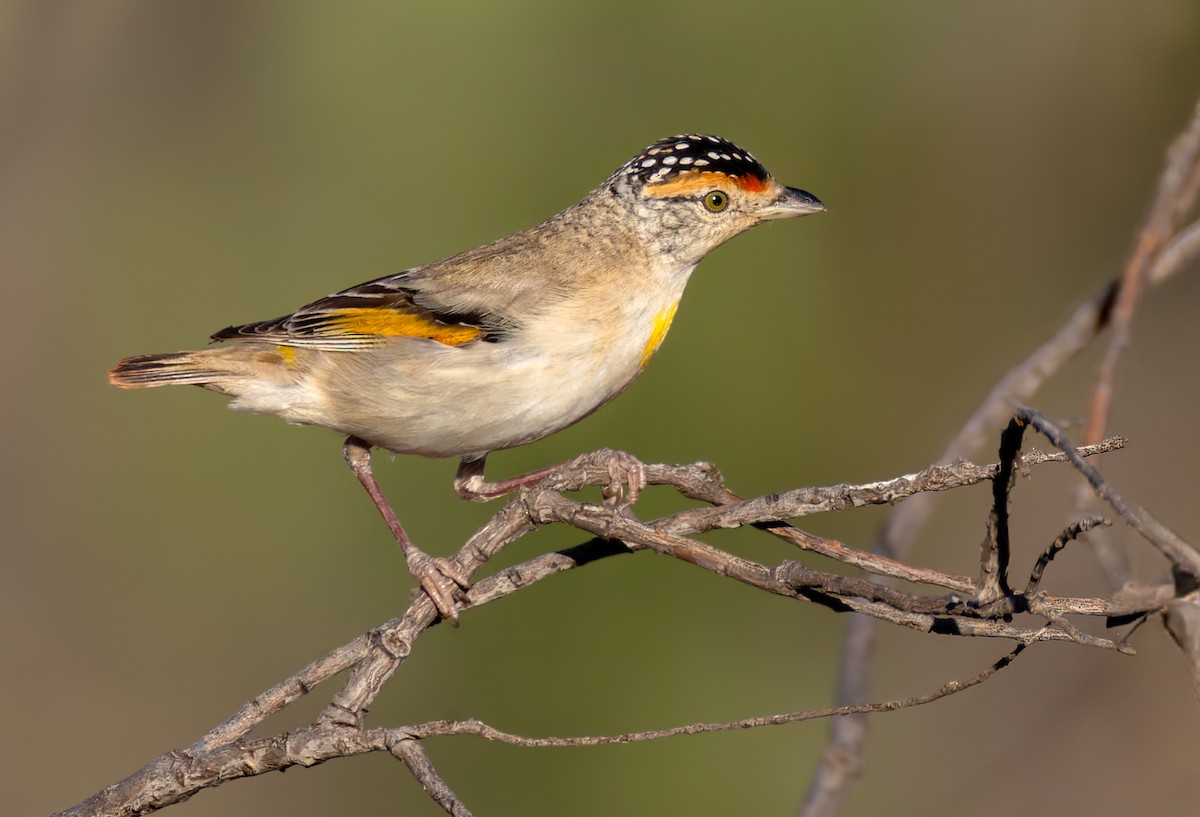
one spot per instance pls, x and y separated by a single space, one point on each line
226 753
983 607
1163 230
1162 249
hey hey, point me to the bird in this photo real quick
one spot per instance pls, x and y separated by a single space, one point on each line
497 346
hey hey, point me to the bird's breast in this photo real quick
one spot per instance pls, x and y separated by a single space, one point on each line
419 396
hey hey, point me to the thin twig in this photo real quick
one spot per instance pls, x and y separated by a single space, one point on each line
474 727
842 763
1175 198
412 754
1182 556
224 753
176 776
808 501
1069 534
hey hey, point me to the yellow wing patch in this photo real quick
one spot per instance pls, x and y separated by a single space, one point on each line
392 324
288 354
662 322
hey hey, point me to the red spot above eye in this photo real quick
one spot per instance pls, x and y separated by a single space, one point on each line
751 183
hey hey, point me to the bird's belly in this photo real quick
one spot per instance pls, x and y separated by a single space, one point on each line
416 396
452 402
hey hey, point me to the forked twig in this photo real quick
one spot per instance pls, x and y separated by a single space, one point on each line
986 607
1163 249
339 731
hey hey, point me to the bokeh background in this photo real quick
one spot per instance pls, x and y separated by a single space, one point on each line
167 169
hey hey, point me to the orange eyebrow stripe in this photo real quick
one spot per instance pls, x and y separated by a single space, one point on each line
686 183
392 324
696 181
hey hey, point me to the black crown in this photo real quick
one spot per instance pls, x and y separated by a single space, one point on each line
692 151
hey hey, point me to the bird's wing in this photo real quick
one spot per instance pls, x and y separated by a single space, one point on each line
369 314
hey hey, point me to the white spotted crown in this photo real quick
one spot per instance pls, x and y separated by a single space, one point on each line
691 151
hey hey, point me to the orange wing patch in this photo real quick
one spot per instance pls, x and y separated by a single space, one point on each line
390 323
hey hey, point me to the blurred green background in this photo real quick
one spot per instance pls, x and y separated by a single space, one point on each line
171 168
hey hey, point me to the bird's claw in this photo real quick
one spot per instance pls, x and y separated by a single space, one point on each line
624 470
439 578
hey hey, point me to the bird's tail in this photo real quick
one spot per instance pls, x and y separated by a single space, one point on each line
177 368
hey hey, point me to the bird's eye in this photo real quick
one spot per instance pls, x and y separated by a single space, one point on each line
716 201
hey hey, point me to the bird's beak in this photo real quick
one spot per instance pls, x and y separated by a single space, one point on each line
792 202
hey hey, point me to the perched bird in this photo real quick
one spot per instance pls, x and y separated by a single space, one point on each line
500 345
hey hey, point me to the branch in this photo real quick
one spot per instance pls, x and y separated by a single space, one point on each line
225 753
1177 190
1183 557
987 607
1159 255
176 776
479 729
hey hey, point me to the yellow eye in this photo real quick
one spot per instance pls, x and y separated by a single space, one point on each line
716 201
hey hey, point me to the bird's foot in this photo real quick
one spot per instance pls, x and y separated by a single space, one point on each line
621 476
626 477
440 579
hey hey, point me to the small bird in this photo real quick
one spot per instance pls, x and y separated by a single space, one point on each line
500 345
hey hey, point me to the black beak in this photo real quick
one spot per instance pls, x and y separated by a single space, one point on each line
792 202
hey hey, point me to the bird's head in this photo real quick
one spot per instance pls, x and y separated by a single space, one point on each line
690 193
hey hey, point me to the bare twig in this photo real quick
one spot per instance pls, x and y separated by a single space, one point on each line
176 776
1069 534
1182 250
1183 623
994 557
225 753
1182 556
1175 198
412 754
473 727
808 501
984 608
842 764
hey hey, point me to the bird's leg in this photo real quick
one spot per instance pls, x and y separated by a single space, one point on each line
469 482
437 576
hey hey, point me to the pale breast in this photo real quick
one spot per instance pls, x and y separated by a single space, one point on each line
421 397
